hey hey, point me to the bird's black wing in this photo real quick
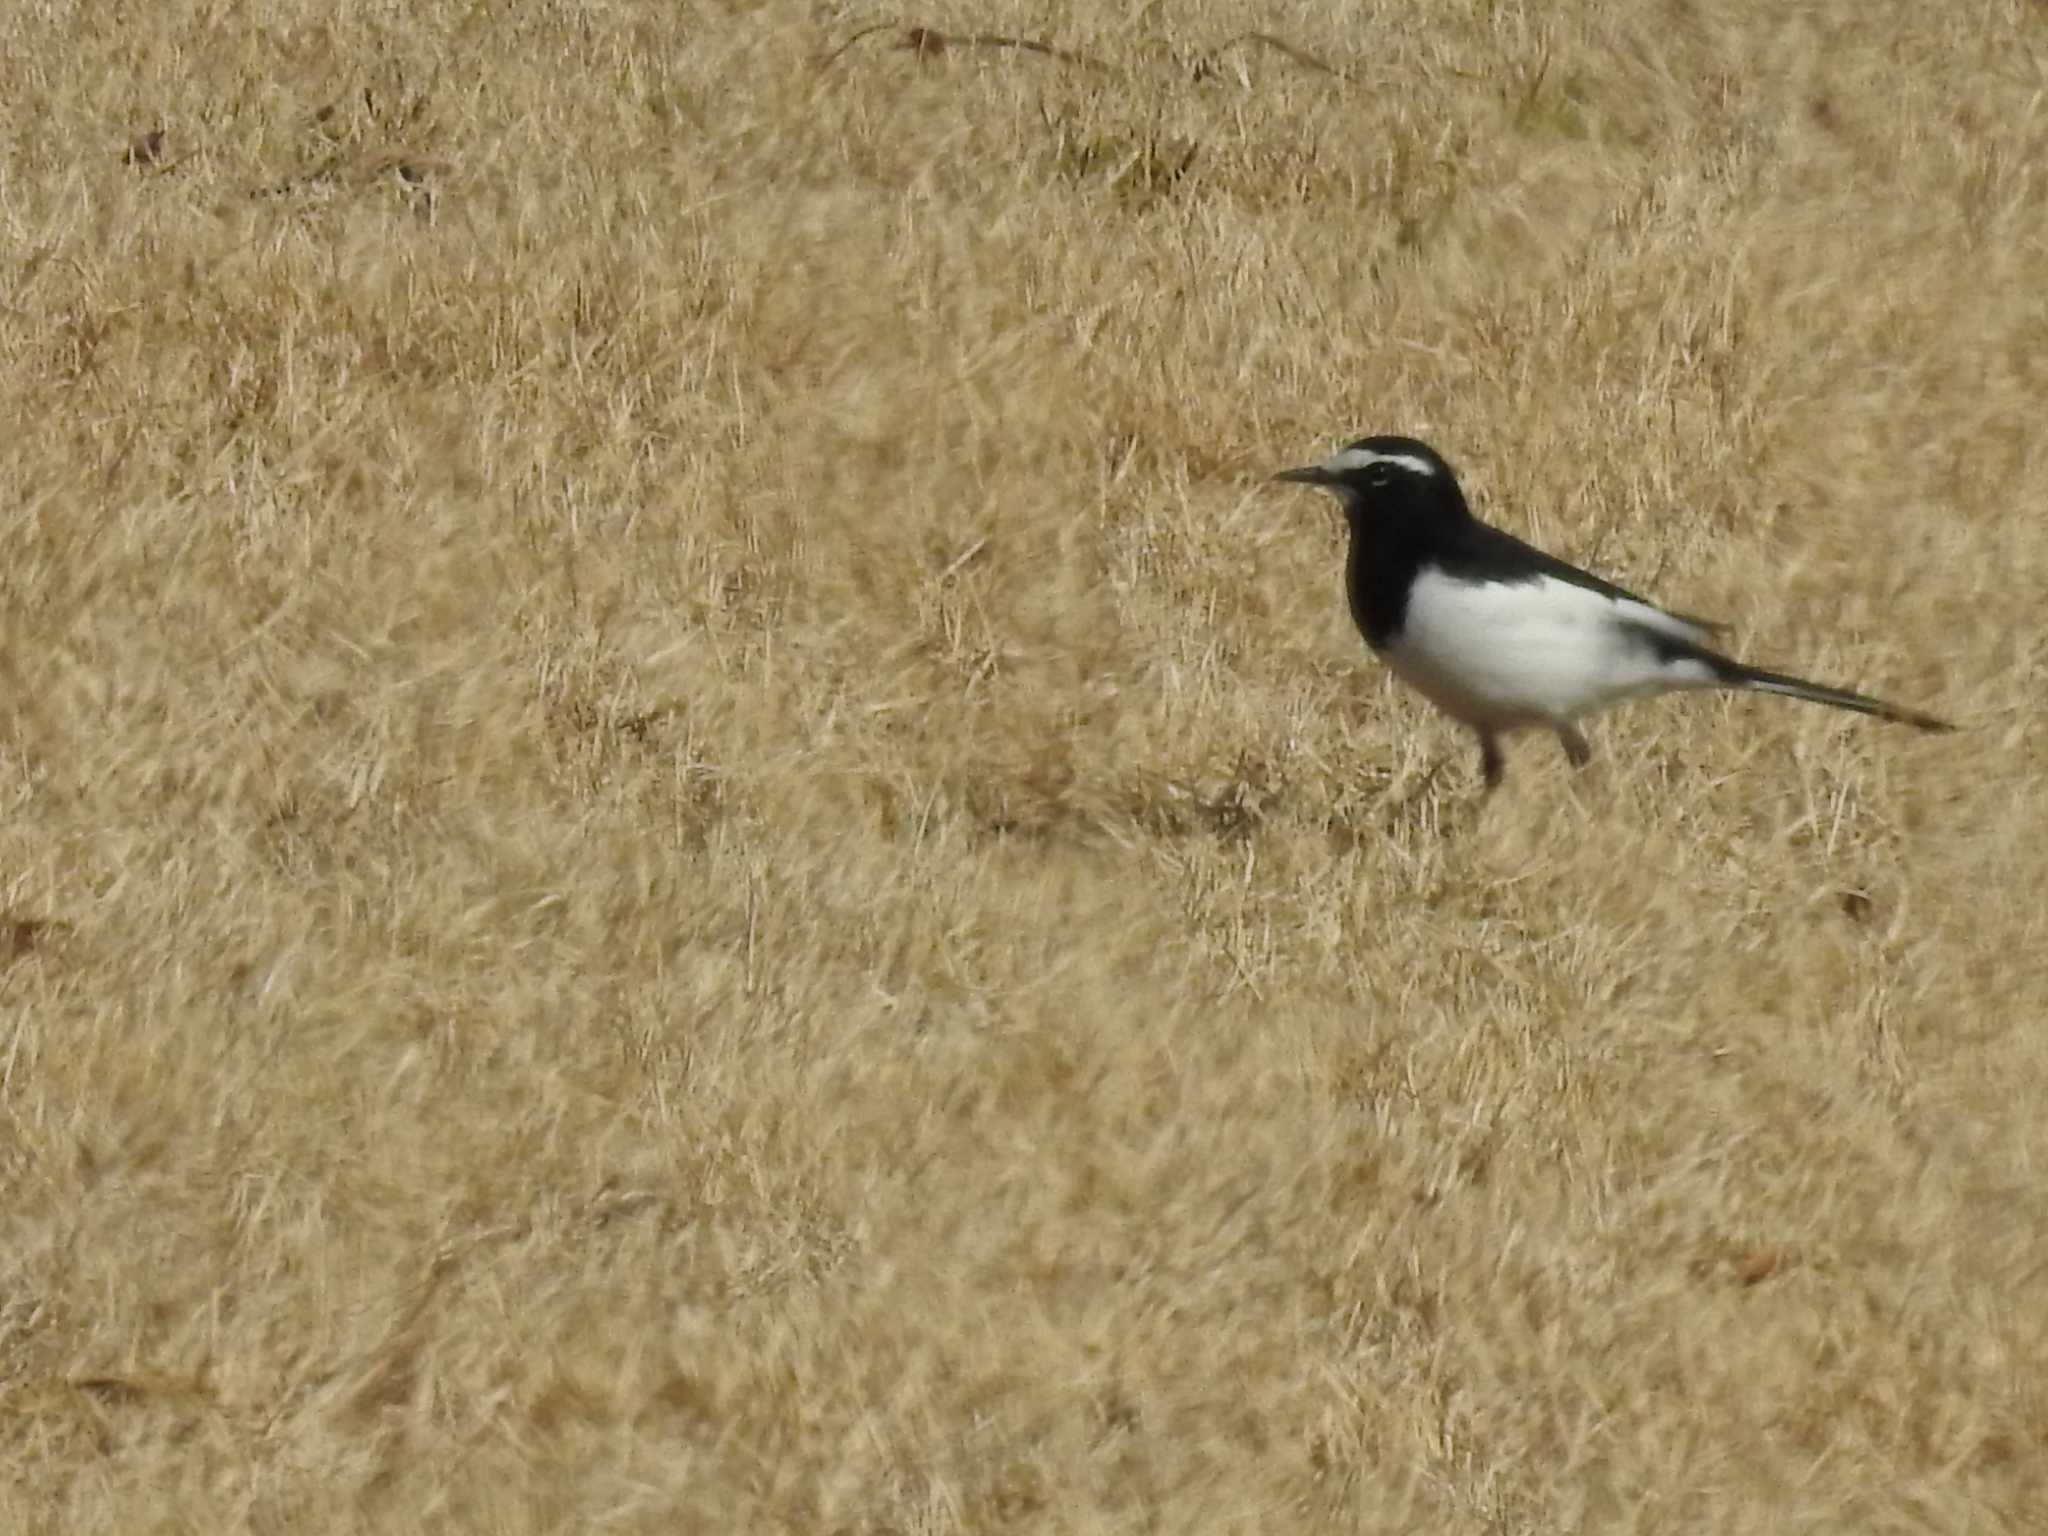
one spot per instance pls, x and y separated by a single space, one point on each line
1487 553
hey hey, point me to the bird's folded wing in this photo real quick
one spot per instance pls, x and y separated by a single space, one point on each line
1675 634
1507 554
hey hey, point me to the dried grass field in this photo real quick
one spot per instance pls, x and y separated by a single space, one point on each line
687 846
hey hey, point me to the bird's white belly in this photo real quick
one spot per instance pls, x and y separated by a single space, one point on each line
1517 653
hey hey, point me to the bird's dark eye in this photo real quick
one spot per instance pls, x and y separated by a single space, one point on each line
1379 474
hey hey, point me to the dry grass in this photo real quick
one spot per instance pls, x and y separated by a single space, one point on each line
686 847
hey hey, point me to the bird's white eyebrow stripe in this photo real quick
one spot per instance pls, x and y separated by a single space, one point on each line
1358 458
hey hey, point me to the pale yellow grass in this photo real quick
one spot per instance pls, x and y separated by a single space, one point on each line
687 848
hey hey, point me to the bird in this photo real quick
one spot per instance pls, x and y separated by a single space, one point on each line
1503 637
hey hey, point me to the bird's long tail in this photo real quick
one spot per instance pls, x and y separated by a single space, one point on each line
1739 676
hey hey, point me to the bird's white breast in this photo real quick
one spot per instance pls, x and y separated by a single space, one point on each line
1501 654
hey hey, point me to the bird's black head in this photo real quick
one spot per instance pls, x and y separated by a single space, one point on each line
1388 478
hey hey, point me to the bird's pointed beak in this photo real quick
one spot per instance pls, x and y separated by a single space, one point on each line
1314 474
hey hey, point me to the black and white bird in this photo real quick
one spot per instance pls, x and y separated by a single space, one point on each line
1503 637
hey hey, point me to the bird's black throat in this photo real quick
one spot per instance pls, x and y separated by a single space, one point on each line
1379 570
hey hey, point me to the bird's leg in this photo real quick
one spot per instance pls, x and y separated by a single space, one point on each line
1491 764
1576 752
